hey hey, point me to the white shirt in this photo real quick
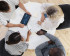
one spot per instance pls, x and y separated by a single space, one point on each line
15 49
12 4
44 6
49 24
3 19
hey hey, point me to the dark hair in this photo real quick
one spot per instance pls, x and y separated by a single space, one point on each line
4 7
14 38
58 52
51 10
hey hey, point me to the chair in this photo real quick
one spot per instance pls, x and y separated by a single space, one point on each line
3 52
66 11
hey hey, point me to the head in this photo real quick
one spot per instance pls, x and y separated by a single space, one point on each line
54 12
56 52
4 6
14 38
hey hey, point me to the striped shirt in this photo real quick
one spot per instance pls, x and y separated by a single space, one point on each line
15 49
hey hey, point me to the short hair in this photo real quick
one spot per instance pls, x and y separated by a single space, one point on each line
14 38
58 52
54 12
4 6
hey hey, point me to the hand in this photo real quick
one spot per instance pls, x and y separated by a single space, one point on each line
41 32
21 25
39 22
28 12
29 32
51 42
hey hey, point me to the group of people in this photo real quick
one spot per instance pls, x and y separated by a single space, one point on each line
16 45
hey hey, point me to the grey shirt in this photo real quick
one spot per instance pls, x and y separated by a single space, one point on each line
39 50
15 49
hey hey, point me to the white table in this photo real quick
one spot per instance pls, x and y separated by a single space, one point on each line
34 9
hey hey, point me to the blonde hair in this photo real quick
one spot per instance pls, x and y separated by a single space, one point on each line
54 12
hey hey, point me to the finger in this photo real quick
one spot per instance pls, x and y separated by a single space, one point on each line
38 33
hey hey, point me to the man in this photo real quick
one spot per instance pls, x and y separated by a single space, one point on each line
51 48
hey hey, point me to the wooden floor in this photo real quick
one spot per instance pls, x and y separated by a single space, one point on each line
63 35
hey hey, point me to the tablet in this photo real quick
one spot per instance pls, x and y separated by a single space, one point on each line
25 19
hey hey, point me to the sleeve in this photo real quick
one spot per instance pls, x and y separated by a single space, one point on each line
57 42
16 2
62 19
53 38
39 48
25 46
2 20
59 22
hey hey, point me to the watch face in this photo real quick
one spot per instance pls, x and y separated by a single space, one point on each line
45 15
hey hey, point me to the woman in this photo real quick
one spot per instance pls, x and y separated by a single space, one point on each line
54 17
5 8
12 4
15 44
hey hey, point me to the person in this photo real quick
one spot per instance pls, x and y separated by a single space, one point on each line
15 44
12 4
4 8
52 17
53 47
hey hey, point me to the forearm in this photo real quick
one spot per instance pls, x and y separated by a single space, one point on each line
42 18
12 25
22 6
55 39
27 38
51 37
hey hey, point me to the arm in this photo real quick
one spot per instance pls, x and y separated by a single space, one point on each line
42 19
54 39
5 23
39 48
14 25
57 42
27 38
22 6
28 35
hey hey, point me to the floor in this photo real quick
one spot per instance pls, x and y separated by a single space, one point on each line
63 35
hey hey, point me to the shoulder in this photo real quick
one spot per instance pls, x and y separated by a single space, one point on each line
8 34
1 14
47 4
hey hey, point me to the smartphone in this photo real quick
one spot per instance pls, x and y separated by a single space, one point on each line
45 15
25 19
